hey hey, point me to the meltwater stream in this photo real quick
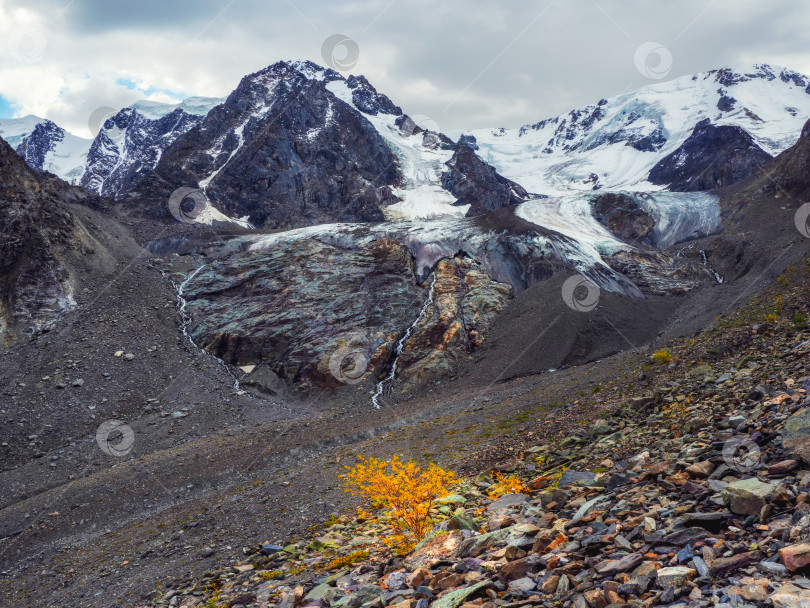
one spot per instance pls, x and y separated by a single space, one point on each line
185 322
717 277
401 345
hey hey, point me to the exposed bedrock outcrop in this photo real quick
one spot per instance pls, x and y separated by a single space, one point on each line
473 182
620 214
308 309
712 157
35 286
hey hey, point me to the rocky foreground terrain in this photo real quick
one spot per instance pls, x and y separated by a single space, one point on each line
691 492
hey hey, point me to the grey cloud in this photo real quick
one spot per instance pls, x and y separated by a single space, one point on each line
464 63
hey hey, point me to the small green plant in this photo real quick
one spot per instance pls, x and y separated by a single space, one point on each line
799 321
557 477
662 356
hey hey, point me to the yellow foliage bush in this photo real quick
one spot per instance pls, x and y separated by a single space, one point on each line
348 560
507 484
557 477
405 490
662 356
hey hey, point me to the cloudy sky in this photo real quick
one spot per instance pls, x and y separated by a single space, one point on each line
461 63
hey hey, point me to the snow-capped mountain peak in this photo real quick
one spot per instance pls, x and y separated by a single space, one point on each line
613 143
130 144
46 147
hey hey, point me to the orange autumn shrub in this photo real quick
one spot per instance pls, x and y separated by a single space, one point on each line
507 484
404 490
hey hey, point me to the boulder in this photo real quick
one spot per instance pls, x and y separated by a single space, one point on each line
747 496
614 566
795 556
701 469
476 545
790 596
459 596
675 576
439 548
796 435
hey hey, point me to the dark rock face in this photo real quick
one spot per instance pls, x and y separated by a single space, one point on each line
116 167
39 142
473 182
35 287
726 103
469 141
656 272
790 171
277 309
278 306
712 157
621 215
368 100
45 149
286 152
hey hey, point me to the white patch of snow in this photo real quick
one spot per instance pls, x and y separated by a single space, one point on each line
421 166
210 215
560 154
571 216
423 202
155 110
238 132
680 216
13 130
68 158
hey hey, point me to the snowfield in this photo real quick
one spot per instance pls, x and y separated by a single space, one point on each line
615 142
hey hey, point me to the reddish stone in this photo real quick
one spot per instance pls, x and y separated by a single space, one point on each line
795 556
419 576
595 598
438 548
725 565
513 570
783 467
550 586
557 542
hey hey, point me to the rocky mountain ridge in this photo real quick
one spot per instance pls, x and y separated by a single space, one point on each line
644 129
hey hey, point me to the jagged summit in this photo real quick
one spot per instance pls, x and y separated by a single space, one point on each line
46 146
611 144
614 143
